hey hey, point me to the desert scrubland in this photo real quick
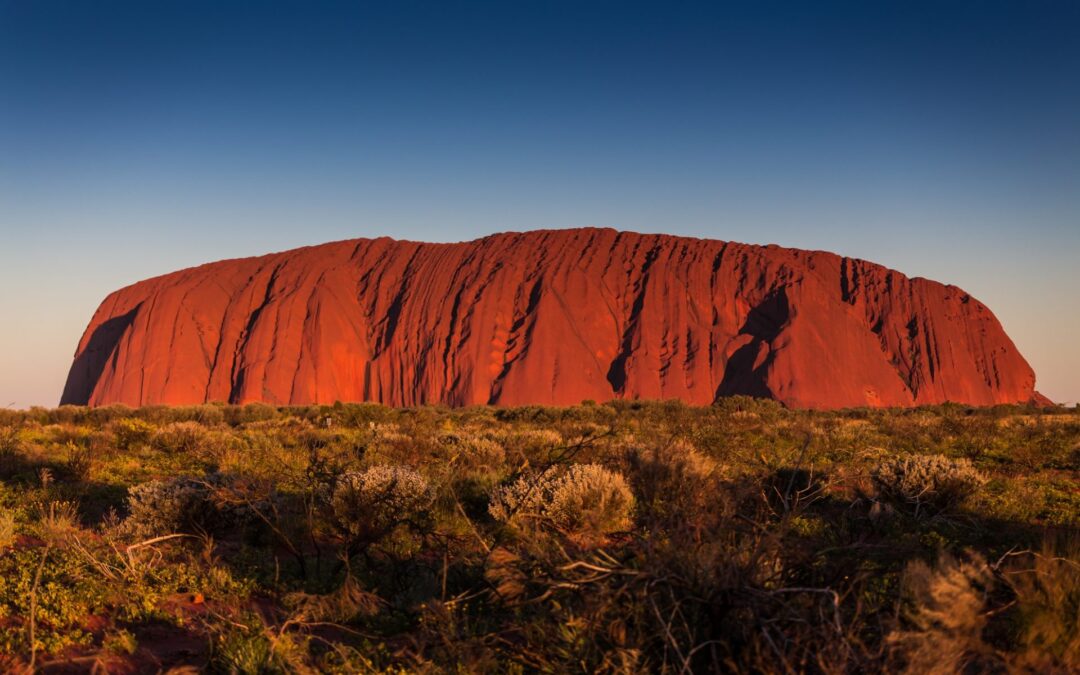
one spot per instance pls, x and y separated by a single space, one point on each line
623 537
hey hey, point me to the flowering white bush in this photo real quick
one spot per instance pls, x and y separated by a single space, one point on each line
367 504
925 483
527 496
585 498
185 503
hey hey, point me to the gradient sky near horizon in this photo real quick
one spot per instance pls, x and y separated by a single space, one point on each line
938 138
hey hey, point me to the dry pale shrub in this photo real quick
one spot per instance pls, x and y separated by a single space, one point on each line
520 446
521 443
484 452
585 499
946 616
384 434
1047 588
162 507
538 436
526 497
503 570
344 604
58 520
7 528
925 484
591 498
185 503
80 461
673 480
473 449
10 443
366 505
181 437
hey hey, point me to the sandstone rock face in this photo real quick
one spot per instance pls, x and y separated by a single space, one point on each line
545 317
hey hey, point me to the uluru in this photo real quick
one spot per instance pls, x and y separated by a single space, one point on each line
545 317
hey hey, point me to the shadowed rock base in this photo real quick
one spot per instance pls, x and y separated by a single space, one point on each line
545 317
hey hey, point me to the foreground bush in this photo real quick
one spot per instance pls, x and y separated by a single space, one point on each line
946 615
1047 590
948 608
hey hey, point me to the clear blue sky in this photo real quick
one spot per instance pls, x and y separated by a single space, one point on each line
939 138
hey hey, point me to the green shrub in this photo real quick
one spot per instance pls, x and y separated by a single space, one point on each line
11 446
250 413
63 589
131 432
120 642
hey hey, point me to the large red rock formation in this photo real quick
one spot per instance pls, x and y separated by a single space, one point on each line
549 317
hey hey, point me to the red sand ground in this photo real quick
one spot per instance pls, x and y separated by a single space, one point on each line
546 317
